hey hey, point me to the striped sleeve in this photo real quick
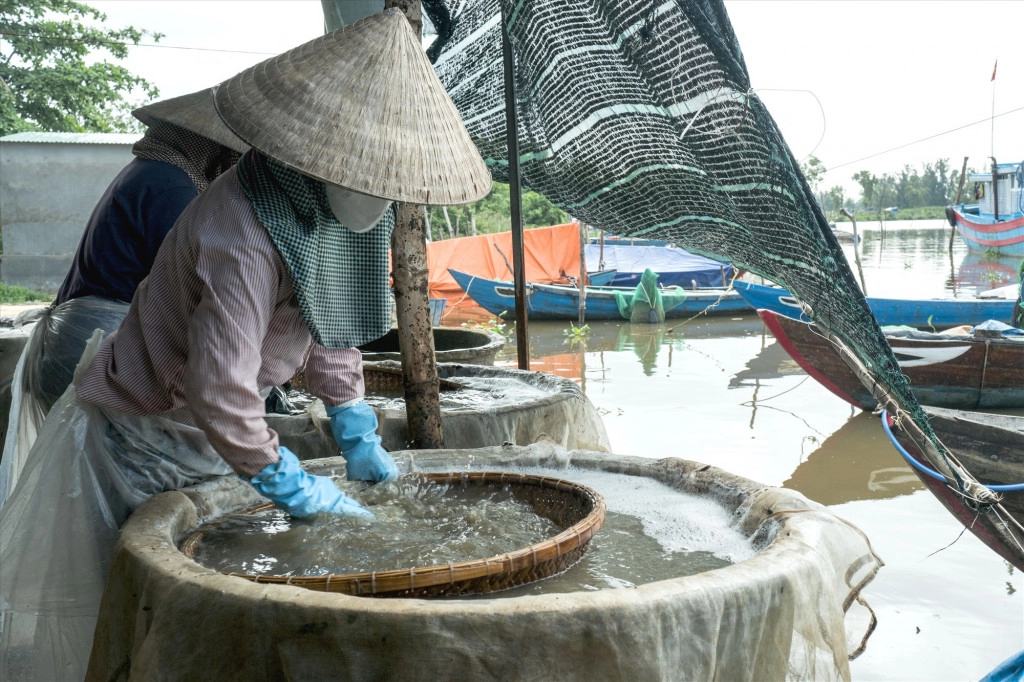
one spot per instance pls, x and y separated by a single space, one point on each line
334 375
226 332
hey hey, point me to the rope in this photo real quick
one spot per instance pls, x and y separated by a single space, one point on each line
912 461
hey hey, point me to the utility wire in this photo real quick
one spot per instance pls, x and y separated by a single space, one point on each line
120 44
924 139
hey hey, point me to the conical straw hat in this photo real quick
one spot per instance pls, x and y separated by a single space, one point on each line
362 108
195 112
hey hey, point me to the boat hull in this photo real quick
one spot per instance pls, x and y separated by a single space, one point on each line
554 302
958 372
939 313
989 447
982 233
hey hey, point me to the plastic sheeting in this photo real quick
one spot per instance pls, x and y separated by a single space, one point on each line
45 368
675 266
88 469
792 612
549 252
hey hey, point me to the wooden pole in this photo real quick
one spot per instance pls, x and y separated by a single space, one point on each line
515 200
583 274
995 189
856 250
412 303
959 193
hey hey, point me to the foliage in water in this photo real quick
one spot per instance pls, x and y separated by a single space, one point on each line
494 324
574 333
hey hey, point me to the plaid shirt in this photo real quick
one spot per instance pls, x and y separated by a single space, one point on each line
215 322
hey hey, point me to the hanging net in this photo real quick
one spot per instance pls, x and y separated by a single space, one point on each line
638 117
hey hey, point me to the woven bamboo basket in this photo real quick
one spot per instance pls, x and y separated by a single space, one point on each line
579 510
379 379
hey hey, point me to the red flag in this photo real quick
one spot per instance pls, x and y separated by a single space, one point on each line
994 70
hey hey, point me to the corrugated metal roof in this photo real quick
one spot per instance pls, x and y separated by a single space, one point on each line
74 138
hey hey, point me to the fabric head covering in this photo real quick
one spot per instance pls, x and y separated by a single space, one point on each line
359 107
340 277
202 159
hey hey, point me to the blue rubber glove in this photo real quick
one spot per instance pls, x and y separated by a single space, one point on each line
355 430
299 493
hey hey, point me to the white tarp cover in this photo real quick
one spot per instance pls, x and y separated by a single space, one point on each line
792 611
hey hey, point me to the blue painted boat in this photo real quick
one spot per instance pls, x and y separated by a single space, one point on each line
559 302
996 222
940 313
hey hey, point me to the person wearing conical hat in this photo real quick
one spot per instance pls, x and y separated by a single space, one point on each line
185 147
280 266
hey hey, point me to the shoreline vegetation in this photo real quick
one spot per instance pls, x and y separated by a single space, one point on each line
915 213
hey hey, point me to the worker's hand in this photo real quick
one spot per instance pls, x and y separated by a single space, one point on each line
301 494
355 430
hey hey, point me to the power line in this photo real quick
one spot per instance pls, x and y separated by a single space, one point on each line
120 44
924 139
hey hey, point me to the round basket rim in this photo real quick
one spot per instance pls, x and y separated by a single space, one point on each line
434 578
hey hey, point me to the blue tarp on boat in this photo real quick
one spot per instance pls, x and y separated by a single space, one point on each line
675 266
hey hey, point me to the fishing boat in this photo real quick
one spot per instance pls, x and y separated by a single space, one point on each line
945 370
991 448
558 302
934 313
675 266
996 221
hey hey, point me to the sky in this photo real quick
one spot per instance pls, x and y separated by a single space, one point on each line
861 84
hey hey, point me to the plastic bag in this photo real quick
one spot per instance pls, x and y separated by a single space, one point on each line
45 370
88 469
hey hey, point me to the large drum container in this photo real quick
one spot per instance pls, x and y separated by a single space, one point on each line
789 611
525 407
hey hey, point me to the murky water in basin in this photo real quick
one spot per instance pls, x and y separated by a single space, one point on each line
477 393
651 532
416 523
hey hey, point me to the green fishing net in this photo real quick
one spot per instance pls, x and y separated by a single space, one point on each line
649 303
638 117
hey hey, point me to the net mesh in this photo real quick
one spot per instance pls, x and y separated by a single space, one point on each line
638 117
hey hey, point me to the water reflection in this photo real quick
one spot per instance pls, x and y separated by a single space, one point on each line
913 259
772 362
854 463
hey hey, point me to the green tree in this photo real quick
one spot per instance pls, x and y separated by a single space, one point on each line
813 170
493 214
539 212
45 80
836 199
867 183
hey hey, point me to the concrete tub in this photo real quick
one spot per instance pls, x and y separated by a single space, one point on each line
451 344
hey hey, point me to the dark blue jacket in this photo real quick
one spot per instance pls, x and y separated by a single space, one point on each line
126 229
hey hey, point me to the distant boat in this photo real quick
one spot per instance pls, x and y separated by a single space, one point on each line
560 302
675 266
943 370
996 222
991 448
938 313
844 235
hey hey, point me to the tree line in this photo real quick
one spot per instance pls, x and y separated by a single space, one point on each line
934 184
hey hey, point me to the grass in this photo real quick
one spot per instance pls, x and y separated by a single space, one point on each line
13 295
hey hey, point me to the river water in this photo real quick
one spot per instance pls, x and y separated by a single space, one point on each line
721 391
